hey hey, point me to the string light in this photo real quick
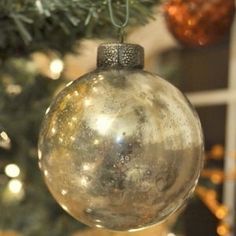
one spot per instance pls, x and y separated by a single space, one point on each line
5 141
171 234
4 136
215 175
15 186
217 151
217 178
221 212
99 226
223 229
12 170
56 67
209 197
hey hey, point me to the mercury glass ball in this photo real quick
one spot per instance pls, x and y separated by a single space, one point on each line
121 149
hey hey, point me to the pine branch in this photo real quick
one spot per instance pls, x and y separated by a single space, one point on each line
29 25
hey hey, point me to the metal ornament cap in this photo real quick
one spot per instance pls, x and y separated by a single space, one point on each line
120 56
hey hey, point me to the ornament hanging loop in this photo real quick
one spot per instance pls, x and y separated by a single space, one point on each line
121 27
121 35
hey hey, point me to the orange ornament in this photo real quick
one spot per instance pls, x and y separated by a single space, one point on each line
199 22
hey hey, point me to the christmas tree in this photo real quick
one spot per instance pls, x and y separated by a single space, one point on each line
49 27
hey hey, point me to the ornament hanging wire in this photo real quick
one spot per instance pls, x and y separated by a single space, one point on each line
121 27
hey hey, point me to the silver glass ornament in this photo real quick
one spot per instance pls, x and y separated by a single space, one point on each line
121 148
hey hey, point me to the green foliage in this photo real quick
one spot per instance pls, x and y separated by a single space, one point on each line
35 213
29 25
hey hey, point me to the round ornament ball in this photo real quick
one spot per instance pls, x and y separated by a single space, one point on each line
120 148
199 22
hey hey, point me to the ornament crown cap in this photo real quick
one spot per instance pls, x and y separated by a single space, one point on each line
120 56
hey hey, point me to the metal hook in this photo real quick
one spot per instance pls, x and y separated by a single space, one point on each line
117 25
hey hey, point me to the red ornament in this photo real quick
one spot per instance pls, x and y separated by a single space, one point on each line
199 22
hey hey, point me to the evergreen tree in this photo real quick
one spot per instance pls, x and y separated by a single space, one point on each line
28 26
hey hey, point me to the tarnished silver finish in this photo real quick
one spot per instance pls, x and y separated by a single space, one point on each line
121 149
120 55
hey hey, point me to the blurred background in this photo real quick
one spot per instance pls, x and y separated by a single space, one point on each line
45 44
